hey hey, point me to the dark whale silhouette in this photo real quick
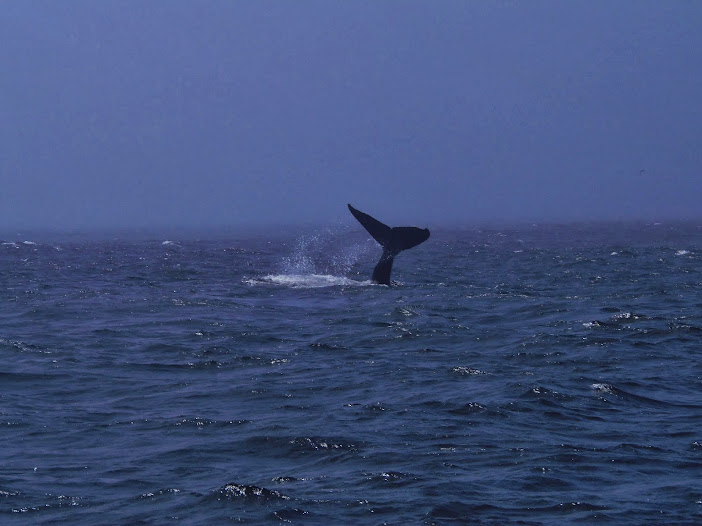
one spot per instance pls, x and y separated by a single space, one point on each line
393 241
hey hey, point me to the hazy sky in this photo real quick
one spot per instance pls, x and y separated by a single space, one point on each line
199 113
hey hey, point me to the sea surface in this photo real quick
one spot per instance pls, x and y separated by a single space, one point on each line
542 374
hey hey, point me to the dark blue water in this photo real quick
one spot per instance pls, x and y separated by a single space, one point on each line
536 375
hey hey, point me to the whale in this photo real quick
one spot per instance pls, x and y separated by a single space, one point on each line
392 240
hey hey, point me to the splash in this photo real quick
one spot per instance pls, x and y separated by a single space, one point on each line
321 259
325 252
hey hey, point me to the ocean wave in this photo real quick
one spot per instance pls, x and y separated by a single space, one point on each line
609 389
472 394
238 491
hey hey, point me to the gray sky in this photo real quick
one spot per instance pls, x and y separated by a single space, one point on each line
168 113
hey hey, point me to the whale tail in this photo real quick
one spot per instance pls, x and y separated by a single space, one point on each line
393 240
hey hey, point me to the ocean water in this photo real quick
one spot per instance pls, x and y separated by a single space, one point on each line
526 375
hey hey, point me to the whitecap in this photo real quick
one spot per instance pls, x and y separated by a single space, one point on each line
468 371
682 252
277 361
626 316
28 243
4 493
603 388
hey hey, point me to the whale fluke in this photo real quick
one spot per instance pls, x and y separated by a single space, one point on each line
393 240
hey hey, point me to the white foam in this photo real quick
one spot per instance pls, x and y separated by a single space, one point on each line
307 281
626 316
460 369
682 252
